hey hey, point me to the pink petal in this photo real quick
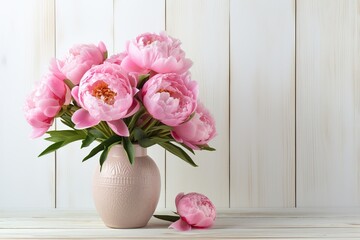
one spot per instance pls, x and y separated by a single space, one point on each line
102 47
38 132
83 119
39 120
180 225
195 218
55 65
130 66
75 94
176 137
75 75
119 127
56 86
48 102
190 145
133 109
136 56
187 63
133 78
165 65
51 111
205 223
67 96
178 198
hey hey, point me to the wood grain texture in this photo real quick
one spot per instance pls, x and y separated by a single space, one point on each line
126 28
262 73
328 103
233 224
26 46
203 28
77 22
150 17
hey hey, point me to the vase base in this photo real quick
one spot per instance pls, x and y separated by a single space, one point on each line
125 227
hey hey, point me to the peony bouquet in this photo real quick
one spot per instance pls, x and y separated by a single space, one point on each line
144 95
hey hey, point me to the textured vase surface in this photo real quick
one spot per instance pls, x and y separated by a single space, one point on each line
126 195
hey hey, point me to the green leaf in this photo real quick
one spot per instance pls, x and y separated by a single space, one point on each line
161 139
96 133
167 217
146 142
63 132
103 157
62 111
88 140
70 125
65 119
129 149
53 147
178 152
188 148
64 135
108 142
142 80
134 118
105 55
207 148
161 128
139 134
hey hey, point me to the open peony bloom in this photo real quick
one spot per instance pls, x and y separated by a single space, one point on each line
155 52
106 93
45 102
80 59
195 210
170 98
199 130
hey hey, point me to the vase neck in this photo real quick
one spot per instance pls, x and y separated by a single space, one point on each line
140 151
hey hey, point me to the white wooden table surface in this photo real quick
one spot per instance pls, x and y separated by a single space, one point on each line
239 224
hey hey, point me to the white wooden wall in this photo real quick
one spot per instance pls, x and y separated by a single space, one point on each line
281 77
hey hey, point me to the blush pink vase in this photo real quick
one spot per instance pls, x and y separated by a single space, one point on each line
126 195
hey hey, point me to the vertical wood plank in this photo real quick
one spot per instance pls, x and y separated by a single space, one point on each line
150 17
328 103
203 28
262 134
81 21
26 46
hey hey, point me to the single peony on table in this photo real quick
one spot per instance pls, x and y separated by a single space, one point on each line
144 95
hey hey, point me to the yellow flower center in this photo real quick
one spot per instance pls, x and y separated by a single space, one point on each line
102 91
161 90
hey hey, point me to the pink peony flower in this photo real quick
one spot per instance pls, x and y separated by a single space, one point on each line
105 93
199 130
80 59
45 102
195 210
155 52
170 98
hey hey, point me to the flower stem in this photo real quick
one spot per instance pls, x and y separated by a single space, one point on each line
146 121
102 126
135 118
152 123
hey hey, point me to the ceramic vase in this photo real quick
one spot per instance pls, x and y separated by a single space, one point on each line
126 195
